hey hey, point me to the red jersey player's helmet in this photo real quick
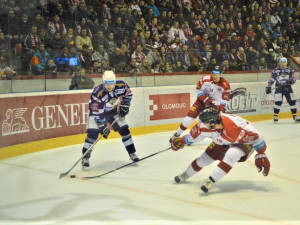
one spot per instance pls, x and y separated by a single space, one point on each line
217 70
210 115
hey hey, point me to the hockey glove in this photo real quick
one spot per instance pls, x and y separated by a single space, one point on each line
103 129
221 108
177 143
268 90
262 162
289 82
207 102
124 108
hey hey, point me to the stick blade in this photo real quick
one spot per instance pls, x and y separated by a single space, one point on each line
62 175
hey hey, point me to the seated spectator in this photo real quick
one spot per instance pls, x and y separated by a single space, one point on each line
100 54
115 58
241 59
185 33
275 19
111 44
225 65
85 58
122 67
212 65
195 67
83 39
249 31
147 42
133 68
79 80
51 68
251 55
104 66
174 31
6 71
158 69
153 57
167 68
233 66
95 68
39 60
55 25
276 33
138 55
4 47
56 44
144 67
69 37
178 67
262 64
141 27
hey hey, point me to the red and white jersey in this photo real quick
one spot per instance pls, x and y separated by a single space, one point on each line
218 92
236 130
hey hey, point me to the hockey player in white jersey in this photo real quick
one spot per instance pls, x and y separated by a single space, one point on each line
212 89
233 140
283 77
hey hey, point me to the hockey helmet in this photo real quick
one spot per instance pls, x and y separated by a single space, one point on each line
217 70
109 77
210 115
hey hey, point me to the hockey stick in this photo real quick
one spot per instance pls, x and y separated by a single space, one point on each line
89 149
91 177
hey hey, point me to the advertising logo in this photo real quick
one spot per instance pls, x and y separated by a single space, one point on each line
242 101
169 106
14 122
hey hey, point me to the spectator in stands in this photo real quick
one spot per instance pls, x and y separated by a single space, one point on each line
266 25
174 54
39 60
133 69
122 67
56 44
262 64
276 33
5 70
11 26
167 68
30 45
174 31
144 67
83 25
69 37
275 19
100 54
147 42
111 44
139 55
206 53
233 66
24 24
195 67
51 68
177 67
186 57
153 57
106 29
4 47
83 39
212 65
80 12
242 59
95 68
55 25
85 58
119 30
115 58
142 27
251 56
104 66
239 24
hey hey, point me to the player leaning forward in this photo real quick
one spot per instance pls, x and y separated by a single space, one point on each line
284 78
211 89
233 140
103 109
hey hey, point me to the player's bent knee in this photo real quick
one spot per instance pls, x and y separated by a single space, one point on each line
92 133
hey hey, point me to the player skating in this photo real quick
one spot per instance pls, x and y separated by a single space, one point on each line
103 109
284 78
211 89
233 140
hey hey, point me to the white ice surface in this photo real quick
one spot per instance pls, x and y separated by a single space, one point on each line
32 193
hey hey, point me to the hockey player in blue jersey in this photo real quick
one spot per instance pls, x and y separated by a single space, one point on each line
284 78
109 101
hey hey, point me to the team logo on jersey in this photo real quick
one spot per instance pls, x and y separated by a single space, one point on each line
283 75
14 122
113 101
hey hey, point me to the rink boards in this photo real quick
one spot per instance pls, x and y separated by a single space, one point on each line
44 120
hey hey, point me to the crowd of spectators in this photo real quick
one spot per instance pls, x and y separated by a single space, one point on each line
147 36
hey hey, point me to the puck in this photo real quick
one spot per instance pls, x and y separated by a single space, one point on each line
73 176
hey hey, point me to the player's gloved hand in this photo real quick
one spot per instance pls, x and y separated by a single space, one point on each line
262 162
177 143
103 129
208 102
124 108
289 82
221 108
268 90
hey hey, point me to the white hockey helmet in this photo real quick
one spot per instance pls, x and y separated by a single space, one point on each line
109 77
283 60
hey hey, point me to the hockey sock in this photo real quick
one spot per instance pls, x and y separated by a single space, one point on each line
127 140
193 168
198 164
185 124
89 140
221 170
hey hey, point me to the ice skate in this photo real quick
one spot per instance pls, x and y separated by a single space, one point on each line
175 135
275 119
134 157
206 185
85 162
181 178
296 119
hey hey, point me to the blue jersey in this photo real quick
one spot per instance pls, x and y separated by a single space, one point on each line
281 76
102 101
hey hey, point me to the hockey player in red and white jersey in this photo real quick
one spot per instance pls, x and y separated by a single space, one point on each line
212 89
234 139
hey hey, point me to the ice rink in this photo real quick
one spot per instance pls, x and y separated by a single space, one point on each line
145 193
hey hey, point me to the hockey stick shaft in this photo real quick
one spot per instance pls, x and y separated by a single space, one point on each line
87 151
127 164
